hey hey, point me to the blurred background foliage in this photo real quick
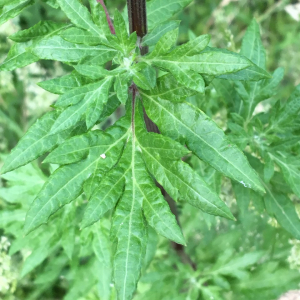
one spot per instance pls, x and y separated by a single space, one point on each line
249 259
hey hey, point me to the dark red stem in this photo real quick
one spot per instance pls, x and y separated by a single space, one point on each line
110 24
137 18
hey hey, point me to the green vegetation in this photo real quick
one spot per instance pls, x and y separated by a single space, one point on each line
95 207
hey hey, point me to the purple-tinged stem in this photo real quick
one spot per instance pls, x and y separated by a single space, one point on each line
110 24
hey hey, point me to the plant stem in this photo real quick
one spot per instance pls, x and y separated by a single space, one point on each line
138 19
110 24
138 22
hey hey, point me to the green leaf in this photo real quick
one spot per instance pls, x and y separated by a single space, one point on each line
68 240
158 11
129 230
56 48
178 179
284 211
212 62
153 37
80 16
74 149
290 169
36 142
104 197
38 255
92 183
121 87
21 185
192 47
95 108
252 93
91 105
77 94
252 46
101 247
81 36
168 88
121 41
51 272
96 72
151 247
99 58
64 84
269 87
290 109
242 196
144 76
165 43
279 184
10 216
120 28
112 104
157 211
162 146
189 125
84 280
187 78
65 184
130 246
268 168
52 3
269 279
99 17
252 73
18 57
40 30
181 182
227 91
13 8
234 267
210 293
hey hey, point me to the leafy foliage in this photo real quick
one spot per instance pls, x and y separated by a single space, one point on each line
118 169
